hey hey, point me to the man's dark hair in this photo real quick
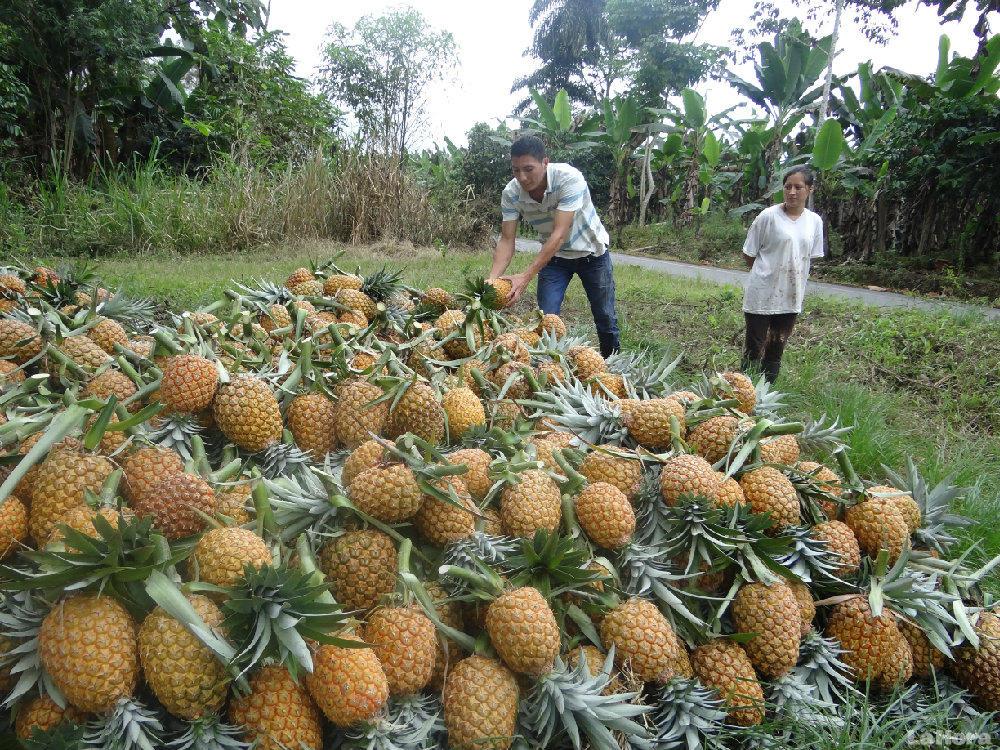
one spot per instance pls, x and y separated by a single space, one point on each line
528 145
808 176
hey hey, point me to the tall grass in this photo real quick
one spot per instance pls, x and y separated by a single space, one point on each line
143 208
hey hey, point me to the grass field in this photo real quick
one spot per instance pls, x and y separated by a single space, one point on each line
912 383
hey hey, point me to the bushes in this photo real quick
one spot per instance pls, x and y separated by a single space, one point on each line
145 208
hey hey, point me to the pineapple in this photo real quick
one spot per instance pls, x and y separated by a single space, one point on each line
828 481
176 504
594 660
106 333
247 413
899 667
388 493
299 276
356 418
869 641
688 475
447 651
273 318
926 659
586 361
88 646
418 411
878 524
841 541
222 555
84 352
523 630
233 502
807 607
111 383
41 713
361 567
552 324
18 341
605 515
603 465
348 684
978 670
531 504
189 383
643 639
146 468
183 673
355 299
278 712
441 522
59 486
741 388
480 705
405 642
502 289
81 519
723 665
436 300
780 449
335 282
903 501
13 526
772 614
730 493
464 411
312 421
366 456
9 375
648 421
767 490
712 438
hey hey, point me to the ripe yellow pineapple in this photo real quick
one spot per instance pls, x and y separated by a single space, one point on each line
335 282
523 631
365 456
532 504
772 613
222 554
878 524
925 657
278 712
440 522
643 639
59 486
405 642
620 471
299 276
18 341
10 375
388 493
355 299
183 672
648 421
841 541
419 411
145 468
903 501
688 475
81 518
502 289
828 481
480 705
13 526
899 667
711 439
247 413
111 383
348 684
807 607
741 388
730 493
869 641
356 417
189 383
553 324
234 502
780 449
508 347
84 352
725 666
605 515
360 566
88 646
767 490
176 503
586 361
106 333
43 713
978 670
447 652
436 300
464 411
312 420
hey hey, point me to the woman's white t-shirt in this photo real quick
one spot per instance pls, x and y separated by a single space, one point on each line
783 248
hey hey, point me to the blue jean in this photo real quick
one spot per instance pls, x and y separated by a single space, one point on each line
598 280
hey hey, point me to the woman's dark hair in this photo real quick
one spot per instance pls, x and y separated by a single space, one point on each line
807 174
528 145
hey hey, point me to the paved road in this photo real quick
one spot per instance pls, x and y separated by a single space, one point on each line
737 278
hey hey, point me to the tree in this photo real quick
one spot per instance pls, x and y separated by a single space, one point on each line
382 69
595 49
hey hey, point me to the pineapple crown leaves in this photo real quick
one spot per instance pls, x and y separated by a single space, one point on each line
573 407
646 572
769 400
21 616
935 506
130 725
809 559
820 436
63 736
209 733
308 502
175 431
479 290
133 313
472 553
282 459
413 722
821 667
569 701
264 293
554 564
382 284
688 716
810 491
744 449
496 441
116 562
791 695
274 610
648 375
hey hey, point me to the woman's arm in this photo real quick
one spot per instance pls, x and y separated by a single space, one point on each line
749 259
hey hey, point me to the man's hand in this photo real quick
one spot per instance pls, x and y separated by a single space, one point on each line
518 282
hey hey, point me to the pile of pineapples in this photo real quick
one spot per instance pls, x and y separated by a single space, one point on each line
343 512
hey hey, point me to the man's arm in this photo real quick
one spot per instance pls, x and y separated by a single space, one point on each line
561 225
505 248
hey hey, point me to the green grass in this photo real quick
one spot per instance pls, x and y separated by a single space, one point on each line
912 383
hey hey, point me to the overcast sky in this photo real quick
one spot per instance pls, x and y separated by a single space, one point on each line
492 38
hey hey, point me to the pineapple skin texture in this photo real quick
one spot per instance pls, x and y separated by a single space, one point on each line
648 421
772 612
622 473
405 641
183 673
726 667
419 412
173 503
277 712
43 713
13 525
189 383
348 684
247 413
480 705
688 474
524 631
711 439
221 555
89 647
464 410
144 468
354 419
767 490
312 421
59 486
841 540
441 523
390 494
877 523
606 515
979 671
533 503
477 478
643 640
870 641
361 566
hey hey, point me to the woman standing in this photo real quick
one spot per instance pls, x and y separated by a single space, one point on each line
782 240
